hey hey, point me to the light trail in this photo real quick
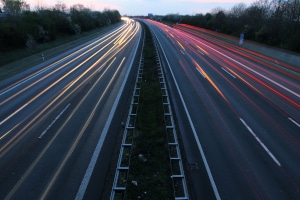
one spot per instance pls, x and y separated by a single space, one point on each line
82 131
291 101
11 115
210 80
68 90
69 85
83 49
252 55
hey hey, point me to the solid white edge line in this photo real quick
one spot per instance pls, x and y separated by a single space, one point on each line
90 169
294 122
56 118
212 182
260 142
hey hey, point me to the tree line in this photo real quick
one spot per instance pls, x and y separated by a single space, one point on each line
20 27
272 22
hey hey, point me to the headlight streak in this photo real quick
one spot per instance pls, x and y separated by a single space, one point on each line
52 72
82 131
69 85
39 116
11 115
14 85
120 39
56 82
29 170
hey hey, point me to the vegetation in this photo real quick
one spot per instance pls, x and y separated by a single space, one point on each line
22 28
150 171
273 22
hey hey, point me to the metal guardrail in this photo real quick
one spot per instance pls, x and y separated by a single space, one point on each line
179 182
121 175
122 169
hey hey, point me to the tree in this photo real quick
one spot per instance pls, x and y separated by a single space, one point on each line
15 7
238 10
60 6
221 22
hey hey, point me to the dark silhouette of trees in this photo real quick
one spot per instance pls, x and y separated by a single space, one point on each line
272 22
24 28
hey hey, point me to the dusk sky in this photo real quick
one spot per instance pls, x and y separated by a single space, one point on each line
143 7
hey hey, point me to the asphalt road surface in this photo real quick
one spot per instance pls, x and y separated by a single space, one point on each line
55 118
238 114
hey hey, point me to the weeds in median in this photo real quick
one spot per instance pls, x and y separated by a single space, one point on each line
149 174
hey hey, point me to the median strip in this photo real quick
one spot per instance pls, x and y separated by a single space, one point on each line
149 164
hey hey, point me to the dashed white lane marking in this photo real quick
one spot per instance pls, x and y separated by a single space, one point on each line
228 72
56 118
297 124
201 73
92 163
210 176
261 143
201 52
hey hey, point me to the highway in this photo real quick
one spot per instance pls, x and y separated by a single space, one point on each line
56 118
238 115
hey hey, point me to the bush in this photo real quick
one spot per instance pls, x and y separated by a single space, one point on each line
30 28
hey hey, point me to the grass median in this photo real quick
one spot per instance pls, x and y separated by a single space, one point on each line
149 174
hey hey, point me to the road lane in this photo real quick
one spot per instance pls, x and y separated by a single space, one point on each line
241 116
51 115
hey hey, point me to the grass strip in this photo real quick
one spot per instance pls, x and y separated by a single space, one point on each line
150 171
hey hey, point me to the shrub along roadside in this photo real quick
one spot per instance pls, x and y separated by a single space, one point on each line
26 58
27 28
149 174
24 32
